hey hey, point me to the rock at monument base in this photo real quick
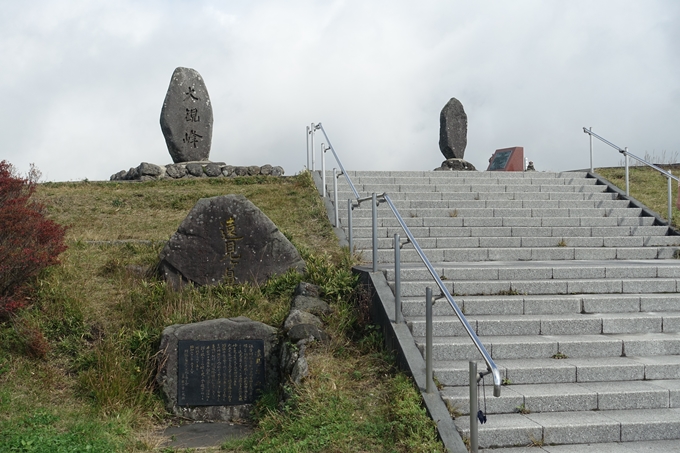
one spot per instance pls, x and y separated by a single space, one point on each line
453 130
187 117
214 346
227 239
456 165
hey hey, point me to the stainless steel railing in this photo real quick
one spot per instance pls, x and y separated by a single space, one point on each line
375 201
669 176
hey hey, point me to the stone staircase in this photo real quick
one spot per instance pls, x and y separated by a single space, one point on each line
572 291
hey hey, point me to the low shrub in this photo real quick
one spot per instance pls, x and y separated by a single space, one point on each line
29 242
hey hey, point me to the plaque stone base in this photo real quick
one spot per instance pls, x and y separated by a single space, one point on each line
215 370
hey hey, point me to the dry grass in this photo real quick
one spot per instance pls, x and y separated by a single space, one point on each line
103 318
648 186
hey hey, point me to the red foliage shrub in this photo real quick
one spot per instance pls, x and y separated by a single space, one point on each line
29 242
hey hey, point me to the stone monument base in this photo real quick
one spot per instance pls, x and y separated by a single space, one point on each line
198 169
456 165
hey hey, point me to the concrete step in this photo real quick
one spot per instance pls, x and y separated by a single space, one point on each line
519 242
547 346
457 255
384 211
387 181
466 174
541 270
568 397
345 193
572 369
499 232
546 304
412 222
544 287
411 204
584 427
554 324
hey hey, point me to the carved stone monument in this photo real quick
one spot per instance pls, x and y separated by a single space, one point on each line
215 370
227 239
187 117
453 130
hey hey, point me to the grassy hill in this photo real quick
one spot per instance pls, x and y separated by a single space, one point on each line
77 366
648 186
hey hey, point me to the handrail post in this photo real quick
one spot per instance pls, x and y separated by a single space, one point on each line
670 196
349 226
397 278
474 428
323 171
374 215
307 142
591 150
335 197
428 340
312 146
627 180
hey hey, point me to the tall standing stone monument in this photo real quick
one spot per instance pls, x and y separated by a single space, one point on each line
453 130
187 117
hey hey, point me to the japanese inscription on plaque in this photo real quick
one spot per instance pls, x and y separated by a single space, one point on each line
507 159
500 160
219 372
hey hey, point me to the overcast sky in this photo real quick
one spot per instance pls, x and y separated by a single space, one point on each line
83 82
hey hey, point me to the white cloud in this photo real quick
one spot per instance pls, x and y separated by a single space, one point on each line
84 81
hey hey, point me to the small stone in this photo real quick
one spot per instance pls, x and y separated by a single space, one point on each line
253 170
132 174
213 170
118 176
312 305
530 167
241 171
304 331
296 317
307 289
456 165
266 170
453 130
228 170
277 171
147 169
195 169
175 171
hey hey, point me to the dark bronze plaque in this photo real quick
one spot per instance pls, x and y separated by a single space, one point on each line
219 372
500 160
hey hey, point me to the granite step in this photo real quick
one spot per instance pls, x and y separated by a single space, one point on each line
547 346
413 222
454 373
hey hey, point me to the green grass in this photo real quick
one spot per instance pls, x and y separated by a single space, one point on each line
99 315
648 186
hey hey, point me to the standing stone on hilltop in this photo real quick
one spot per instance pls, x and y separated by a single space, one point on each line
453 130
187 117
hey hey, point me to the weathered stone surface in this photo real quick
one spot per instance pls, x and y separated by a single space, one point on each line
266 170
212 170
187 117
253 170
312 305
296 317
147 169
228 170
240 328
305 331
227 239
195 169
241 171
307 289
456 165
294 366
453 130
277 171
175 171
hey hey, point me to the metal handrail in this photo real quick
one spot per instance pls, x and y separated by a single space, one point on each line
490 364
626 153
337 159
